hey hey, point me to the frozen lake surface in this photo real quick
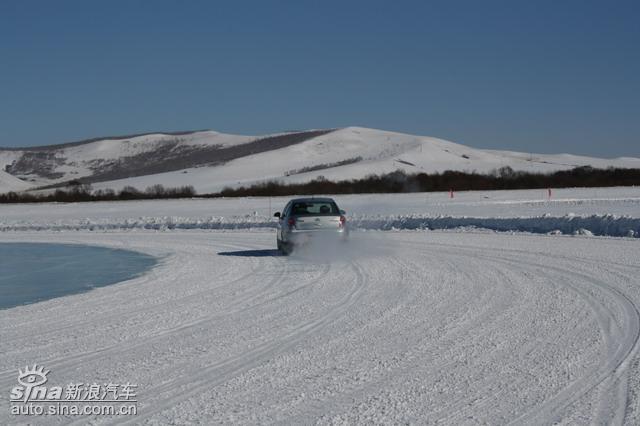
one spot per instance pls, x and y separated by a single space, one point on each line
31 272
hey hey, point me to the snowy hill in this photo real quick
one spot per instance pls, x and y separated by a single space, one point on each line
11 183
210 161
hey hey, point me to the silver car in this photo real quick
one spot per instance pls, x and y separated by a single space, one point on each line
303 219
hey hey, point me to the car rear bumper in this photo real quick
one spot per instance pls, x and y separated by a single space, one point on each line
300 237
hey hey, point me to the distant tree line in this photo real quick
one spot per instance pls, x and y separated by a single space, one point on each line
77 192
399 181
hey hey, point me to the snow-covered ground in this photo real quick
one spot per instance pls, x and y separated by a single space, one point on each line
602 211
456 327
405 327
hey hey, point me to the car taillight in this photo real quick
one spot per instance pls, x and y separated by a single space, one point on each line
343 220
292 221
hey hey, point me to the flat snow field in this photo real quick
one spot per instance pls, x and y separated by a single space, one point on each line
404 326
601 211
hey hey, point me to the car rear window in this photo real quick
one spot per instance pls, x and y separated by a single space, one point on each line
314 208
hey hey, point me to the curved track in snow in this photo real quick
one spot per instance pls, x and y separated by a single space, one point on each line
421 327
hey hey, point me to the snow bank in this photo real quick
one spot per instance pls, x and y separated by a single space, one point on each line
604 225
607 225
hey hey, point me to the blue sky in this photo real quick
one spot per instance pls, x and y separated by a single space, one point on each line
536 76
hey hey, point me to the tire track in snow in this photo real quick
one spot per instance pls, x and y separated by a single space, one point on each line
621 342
408 268
474 329
559 403
496 280
220 372
165 264
62 364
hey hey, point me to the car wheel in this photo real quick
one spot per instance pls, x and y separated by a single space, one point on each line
282 247
288 248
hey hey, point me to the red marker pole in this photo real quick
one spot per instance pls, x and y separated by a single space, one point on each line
451 193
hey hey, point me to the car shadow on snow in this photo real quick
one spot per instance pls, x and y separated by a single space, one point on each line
252 253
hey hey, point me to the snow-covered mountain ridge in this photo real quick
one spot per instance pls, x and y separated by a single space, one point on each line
210 160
